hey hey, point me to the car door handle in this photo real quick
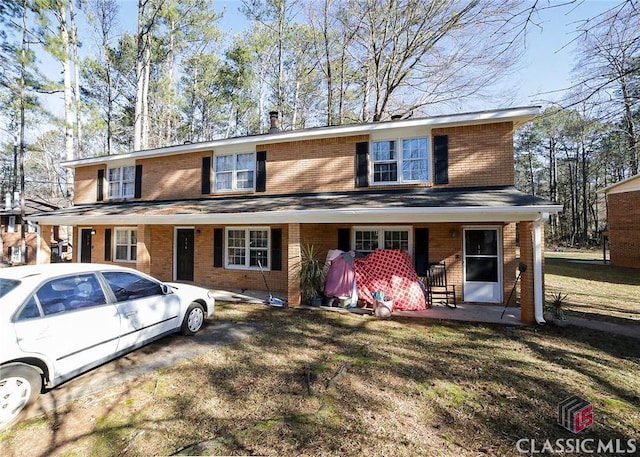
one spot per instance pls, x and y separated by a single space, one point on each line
130 313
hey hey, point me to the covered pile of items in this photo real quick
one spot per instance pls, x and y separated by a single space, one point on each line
386 272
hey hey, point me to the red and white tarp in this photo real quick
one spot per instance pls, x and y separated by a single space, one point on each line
390 271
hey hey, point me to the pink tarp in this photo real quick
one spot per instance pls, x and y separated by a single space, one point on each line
390 271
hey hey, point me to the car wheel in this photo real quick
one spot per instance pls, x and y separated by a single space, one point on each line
19 387
193 319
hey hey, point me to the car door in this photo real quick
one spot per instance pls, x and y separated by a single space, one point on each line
69 320
145 310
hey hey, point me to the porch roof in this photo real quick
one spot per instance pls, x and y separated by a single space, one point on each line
475 204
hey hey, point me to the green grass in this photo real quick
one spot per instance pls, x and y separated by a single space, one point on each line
594 290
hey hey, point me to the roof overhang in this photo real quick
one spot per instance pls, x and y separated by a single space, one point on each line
516 115
409 206
631 184
352 216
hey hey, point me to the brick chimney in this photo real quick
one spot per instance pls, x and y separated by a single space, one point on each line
273 121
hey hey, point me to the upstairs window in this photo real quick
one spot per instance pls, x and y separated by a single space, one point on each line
401 161
121 182
235 171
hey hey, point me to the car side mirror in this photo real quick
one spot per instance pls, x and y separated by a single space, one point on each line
166 290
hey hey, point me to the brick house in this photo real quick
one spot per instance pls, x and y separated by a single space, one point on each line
11 216
440 188
623 220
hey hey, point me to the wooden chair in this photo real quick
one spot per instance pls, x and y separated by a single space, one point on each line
437 285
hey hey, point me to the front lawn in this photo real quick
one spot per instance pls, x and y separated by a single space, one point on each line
326 383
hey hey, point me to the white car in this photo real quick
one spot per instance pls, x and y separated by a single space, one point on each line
60 320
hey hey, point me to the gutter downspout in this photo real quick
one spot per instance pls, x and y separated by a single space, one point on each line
538 299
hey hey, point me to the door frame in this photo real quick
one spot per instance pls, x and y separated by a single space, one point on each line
499 256
175 248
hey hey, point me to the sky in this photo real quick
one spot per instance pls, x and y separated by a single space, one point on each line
545 70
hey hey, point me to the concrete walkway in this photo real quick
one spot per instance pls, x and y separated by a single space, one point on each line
466 312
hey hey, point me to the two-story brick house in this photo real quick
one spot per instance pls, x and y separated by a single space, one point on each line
440 188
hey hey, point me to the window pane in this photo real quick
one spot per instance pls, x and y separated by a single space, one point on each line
483 269
121 252
259 238
224 163
384 150
366 240
122 236
245 162
415 148
224 181
256 255
129 173
385 172
244 180
481 242
30 310
414 170
396 240
129 286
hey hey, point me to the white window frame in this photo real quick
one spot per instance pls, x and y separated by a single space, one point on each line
129 244
381 229
247 249
16 254
120 181
399 161
234 172
11 224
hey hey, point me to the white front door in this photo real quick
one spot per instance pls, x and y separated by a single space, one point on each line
482 265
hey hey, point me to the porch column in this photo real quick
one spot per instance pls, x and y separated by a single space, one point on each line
43 248
143 256
527 308
294 256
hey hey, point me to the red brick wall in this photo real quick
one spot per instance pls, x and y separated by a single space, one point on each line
480 155
623 211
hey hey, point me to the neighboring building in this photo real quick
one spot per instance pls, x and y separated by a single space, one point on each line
11 233
441 188
623 220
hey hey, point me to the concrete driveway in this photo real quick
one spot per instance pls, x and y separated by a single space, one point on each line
159 354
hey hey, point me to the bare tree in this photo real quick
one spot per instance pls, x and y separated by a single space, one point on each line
609 71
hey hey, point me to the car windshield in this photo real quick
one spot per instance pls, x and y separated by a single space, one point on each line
7 285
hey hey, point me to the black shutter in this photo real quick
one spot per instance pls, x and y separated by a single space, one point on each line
261 171
100 188
344 239
217 247
362 164
107 244
138 184
276 249
441 159
421 250
206 175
